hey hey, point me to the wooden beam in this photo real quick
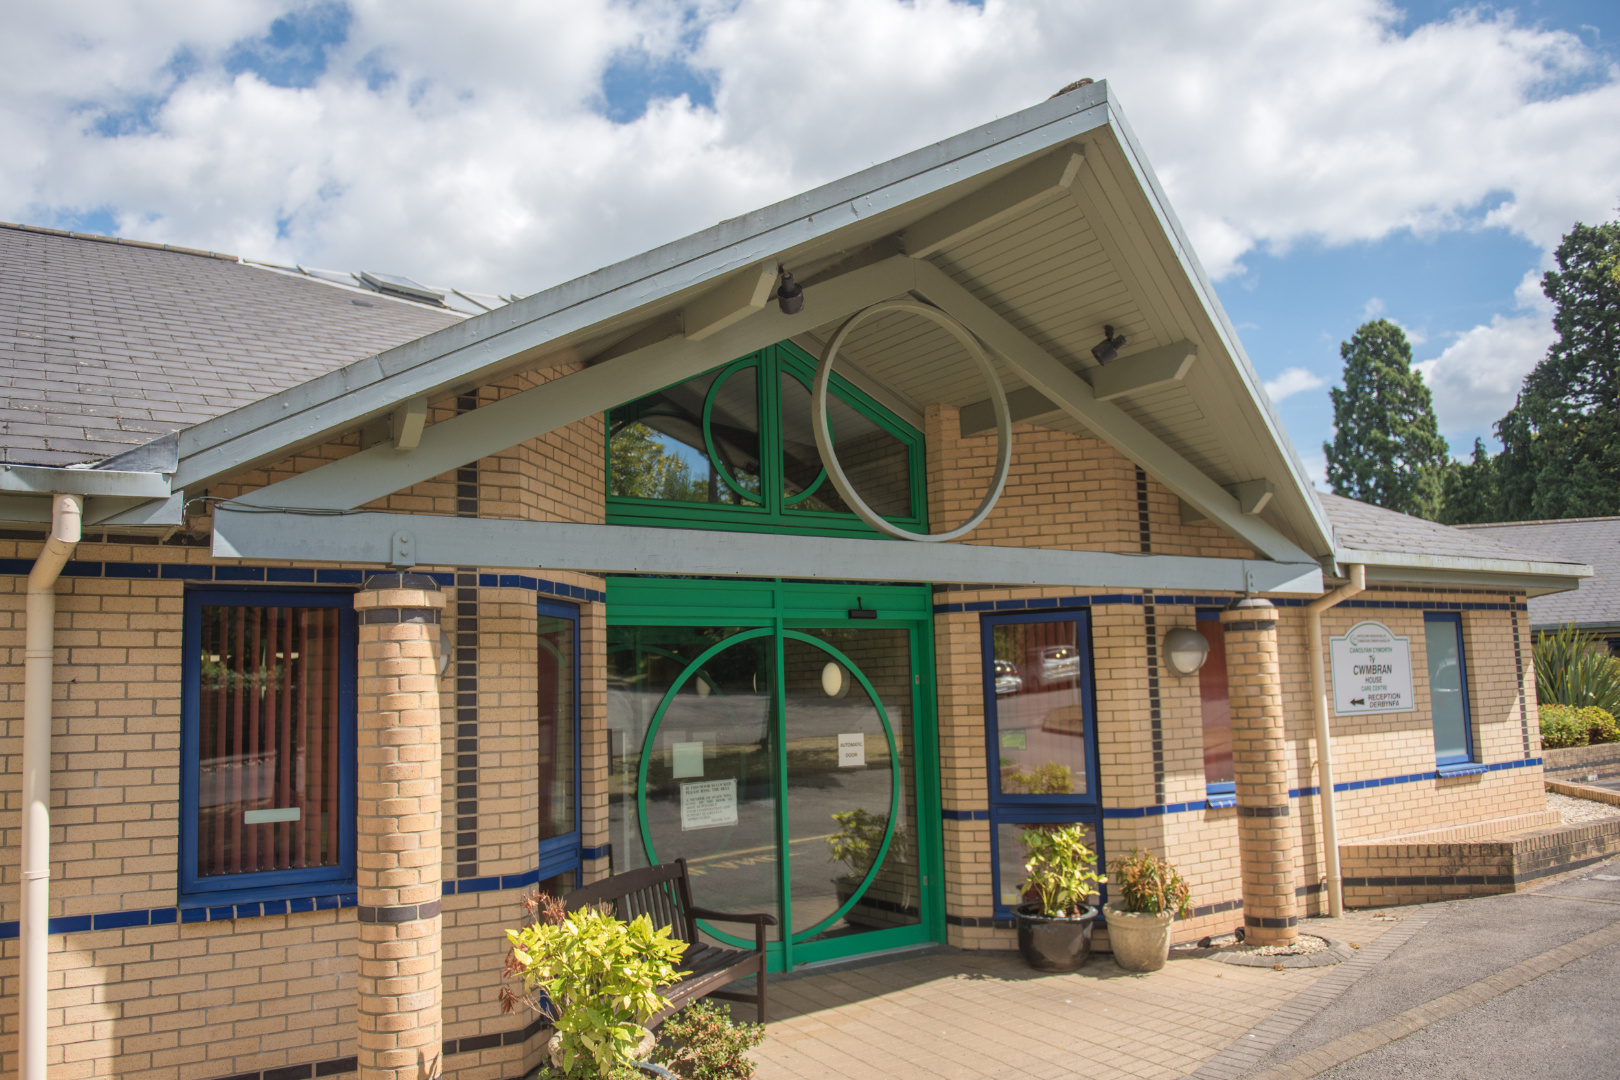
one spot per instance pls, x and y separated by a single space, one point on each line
734 299
409 419
997 202
1144 371
1022 403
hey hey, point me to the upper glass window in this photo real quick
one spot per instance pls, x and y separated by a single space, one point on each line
1448 688
734 448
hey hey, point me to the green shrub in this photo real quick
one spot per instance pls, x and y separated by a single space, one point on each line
1560 729
1565 725
1062 869
595 978
702 1043
1576 669
1148 885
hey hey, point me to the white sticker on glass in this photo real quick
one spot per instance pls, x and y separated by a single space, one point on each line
852 751
708 804
688 759
265 817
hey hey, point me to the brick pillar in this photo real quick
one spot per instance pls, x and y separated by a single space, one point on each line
1260 767
399 844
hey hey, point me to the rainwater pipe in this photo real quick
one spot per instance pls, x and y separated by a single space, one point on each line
39 654
1324 735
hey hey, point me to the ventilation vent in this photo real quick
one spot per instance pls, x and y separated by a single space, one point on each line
394 285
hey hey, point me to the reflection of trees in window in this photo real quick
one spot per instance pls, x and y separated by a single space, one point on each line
661 448
644 469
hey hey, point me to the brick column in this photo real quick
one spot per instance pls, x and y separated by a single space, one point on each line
399 843
1260 767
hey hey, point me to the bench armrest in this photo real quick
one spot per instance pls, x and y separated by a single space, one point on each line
721 916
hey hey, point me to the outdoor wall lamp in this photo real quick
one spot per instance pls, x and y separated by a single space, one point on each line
1107 350
1185 650
790 295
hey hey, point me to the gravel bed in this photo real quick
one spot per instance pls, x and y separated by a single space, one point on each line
1576 810
1304 945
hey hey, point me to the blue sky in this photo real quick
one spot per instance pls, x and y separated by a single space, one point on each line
1293 310
1332 160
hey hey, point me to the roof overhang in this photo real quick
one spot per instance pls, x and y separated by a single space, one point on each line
1402 568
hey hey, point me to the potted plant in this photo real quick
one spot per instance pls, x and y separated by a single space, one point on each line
856 843
1054 930
1151 895
595 978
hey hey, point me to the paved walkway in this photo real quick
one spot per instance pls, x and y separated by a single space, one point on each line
966 1015
1425 984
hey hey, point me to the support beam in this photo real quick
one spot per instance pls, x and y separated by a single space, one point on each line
734 299
1022 403
1144 371
618 549
409 419
997 202
1103 418
1253 496
379 471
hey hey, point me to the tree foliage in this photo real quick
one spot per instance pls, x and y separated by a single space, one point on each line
1561 440
1471 489
642 467
1387 448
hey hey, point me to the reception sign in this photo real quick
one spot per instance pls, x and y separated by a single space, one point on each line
1372 671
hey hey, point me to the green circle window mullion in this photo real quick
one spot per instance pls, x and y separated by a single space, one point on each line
783 859
759 423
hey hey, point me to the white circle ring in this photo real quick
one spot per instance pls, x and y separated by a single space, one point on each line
998 401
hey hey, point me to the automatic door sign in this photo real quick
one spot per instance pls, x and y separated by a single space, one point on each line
1372 671
708 804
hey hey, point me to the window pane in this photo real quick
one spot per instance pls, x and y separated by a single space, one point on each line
1040 722
267 783
657 446
1215 705
1446 691
556 726
1010 858
877 464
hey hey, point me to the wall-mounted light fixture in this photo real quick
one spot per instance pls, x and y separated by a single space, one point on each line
790 295
1107 350
1185 650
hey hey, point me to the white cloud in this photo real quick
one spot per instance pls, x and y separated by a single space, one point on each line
1295 380
1477 378
1372 309
481 158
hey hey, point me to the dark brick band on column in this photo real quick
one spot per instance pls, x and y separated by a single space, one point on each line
1518 685
1260 770
1144 525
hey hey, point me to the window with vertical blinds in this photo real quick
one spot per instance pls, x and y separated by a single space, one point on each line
269 741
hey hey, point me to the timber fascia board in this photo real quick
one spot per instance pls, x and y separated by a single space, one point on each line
1543 573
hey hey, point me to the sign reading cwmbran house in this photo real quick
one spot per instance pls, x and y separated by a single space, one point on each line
708 804
1372 671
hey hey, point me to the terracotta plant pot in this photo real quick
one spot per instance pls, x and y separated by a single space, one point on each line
1054 944
1141 942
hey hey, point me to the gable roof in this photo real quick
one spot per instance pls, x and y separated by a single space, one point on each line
1595 605
107 345
1098 246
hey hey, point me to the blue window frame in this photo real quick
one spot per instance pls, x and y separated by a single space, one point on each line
267 746
1040 735
1448 689
558 717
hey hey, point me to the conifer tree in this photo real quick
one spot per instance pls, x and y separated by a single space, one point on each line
1471 489
1561 440
1387 448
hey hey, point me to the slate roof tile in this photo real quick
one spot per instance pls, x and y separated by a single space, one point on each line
1365 527
105 345
1594 541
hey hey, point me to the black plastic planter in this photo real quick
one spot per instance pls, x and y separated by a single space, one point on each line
1054 944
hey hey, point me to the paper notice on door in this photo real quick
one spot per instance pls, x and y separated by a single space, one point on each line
688 759
852 751
708 804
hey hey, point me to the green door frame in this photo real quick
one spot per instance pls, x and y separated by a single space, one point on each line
790 605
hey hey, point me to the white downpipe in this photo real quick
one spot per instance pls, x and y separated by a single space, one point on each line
1324 735
39 653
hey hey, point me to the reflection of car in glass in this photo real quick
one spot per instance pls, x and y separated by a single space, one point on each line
1008 681
1052 664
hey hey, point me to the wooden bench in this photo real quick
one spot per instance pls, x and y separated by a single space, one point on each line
664 894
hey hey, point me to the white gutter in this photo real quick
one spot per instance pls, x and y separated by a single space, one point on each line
39 653
1324 736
